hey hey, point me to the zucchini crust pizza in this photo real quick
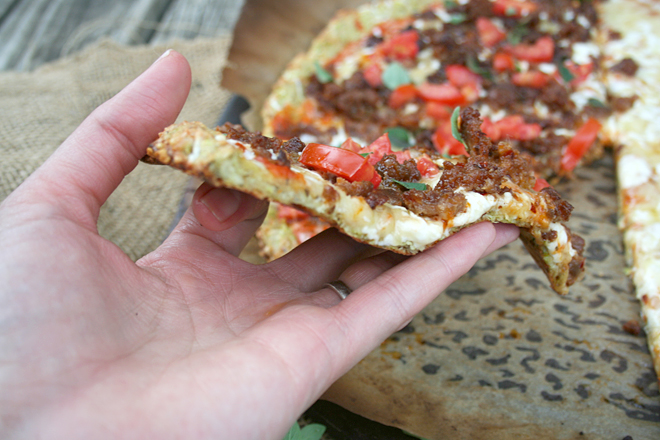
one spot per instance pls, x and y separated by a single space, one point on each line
400 201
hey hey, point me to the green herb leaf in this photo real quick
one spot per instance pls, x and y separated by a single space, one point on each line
399 137
474 66
395 75
593 102
413 185
294 433
313 431
510 11
365 154
413 435
457 18
517 33
566 74
322 75
454 126
450 4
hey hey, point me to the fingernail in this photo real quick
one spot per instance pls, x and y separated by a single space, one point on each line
165 54
221 202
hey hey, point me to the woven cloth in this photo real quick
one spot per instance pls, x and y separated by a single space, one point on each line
39 109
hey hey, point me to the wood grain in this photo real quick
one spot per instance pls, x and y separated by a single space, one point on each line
37 31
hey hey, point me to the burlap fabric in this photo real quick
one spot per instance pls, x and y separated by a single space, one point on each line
39 109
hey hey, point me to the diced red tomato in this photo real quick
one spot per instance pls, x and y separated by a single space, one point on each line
445 142
373 75
401 46
402 95
378 148
543 50
304 230
580 71
426 167
531 78
391 27
444 93
489 33
289 213
344 163
579 144
351 145
437 111
470 92
401 156
461 76
510 127
540 184
513 8
503 62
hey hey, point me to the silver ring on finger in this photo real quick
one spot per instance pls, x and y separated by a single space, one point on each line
340 287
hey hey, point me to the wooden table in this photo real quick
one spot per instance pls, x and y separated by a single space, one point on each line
33 32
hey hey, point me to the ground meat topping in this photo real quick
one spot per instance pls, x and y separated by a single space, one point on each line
622 104
627 66
443 205
576 266
390 170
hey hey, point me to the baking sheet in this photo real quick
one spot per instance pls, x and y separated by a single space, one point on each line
498 355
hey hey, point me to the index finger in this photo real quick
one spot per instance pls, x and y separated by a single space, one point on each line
90 164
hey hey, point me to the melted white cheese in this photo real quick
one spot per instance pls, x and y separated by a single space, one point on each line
633 171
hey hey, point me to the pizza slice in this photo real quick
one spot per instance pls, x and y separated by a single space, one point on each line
402 201
631 46
284 228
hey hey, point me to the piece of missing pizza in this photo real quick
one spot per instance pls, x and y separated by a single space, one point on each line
403 201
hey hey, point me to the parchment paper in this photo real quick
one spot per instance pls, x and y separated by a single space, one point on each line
498 355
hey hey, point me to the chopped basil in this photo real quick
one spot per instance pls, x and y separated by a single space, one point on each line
322 75
413 185
454 126
450 4
366 154
474 66
593 102
313 431
399 137
510 11
457 18
395 75
566 74
517 33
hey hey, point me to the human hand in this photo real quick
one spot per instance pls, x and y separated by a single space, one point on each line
190 341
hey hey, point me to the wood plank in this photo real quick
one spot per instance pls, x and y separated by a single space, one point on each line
37 31
191 18
17 30
142 20
6 6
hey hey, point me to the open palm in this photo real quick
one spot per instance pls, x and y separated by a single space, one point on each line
190 341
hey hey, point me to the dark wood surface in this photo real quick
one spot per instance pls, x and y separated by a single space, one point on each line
33 32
